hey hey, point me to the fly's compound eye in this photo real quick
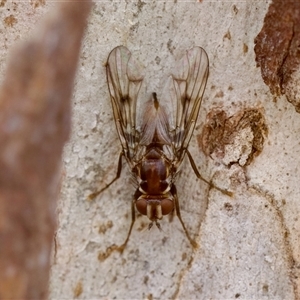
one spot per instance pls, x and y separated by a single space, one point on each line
141 206
154 208
167 206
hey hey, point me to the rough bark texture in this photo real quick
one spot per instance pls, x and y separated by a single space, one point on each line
277 49
35 111
247 143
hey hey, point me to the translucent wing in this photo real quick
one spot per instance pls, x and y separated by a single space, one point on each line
124 86
189 83
155 126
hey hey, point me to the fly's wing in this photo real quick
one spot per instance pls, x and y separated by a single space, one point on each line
155 126
188 87
124 86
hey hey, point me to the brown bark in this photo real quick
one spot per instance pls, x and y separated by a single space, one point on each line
277 48
35 112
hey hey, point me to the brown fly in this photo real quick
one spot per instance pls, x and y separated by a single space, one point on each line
154 151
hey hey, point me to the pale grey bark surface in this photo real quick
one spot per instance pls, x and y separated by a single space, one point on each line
248 243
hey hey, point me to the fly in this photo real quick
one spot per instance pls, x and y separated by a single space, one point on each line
155 150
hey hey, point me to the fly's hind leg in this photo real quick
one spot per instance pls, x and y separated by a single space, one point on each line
203 179
103 255
95 194
177 208
122 247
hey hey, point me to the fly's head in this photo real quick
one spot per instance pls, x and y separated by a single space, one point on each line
155 206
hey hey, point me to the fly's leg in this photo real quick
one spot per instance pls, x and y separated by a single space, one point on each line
203 179
103 255
94 195
122 247
177 208
171 215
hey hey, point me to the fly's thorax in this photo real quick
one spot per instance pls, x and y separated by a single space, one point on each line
154 173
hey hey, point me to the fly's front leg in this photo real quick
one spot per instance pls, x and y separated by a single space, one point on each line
203 179
177 208
94 195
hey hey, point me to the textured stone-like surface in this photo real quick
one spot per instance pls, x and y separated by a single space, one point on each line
243 134
249 244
